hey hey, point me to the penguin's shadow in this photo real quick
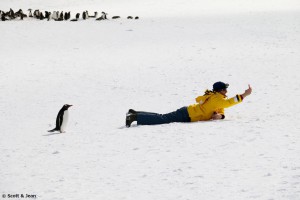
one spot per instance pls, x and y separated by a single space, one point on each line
49 134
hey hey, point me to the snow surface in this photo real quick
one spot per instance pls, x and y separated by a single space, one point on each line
158 63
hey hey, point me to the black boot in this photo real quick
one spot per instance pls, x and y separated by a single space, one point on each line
131 111
130 117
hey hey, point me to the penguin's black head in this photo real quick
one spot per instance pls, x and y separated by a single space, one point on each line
66 106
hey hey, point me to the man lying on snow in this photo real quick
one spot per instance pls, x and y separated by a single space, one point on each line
210 106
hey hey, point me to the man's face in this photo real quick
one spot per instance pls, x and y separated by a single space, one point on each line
223 91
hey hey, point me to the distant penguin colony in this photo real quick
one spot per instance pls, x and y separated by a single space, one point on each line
54 15
62 119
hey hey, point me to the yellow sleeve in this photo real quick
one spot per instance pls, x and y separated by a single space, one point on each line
231 102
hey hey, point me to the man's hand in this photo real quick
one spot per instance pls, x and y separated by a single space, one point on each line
247 92
216 116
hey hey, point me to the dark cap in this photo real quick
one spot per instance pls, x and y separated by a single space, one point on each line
218 86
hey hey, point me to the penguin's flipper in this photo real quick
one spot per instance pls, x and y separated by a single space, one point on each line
61 117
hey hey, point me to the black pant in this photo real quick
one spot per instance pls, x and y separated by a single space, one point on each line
147 118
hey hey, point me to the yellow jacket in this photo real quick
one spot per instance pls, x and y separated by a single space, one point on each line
209 103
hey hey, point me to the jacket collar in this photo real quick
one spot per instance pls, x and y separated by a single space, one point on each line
218 93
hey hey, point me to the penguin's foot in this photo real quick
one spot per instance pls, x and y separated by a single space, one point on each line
130 117
53 130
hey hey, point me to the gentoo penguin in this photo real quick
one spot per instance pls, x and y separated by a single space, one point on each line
62 119
84 15
3 16
116 17
61 16
42 17
104 15
55 15
67 16
21 14
136 17
129 17
30 13
47 14
36 14
11 14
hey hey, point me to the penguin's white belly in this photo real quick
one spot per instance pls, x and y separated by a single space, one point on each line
65 121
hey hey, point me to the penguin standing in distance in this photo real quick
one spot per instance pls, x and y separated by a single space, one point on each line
61 16
85 15
3 16
11 14
42 17
36 14
67 16
62 119
30 13
47 14
55 15
104 14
